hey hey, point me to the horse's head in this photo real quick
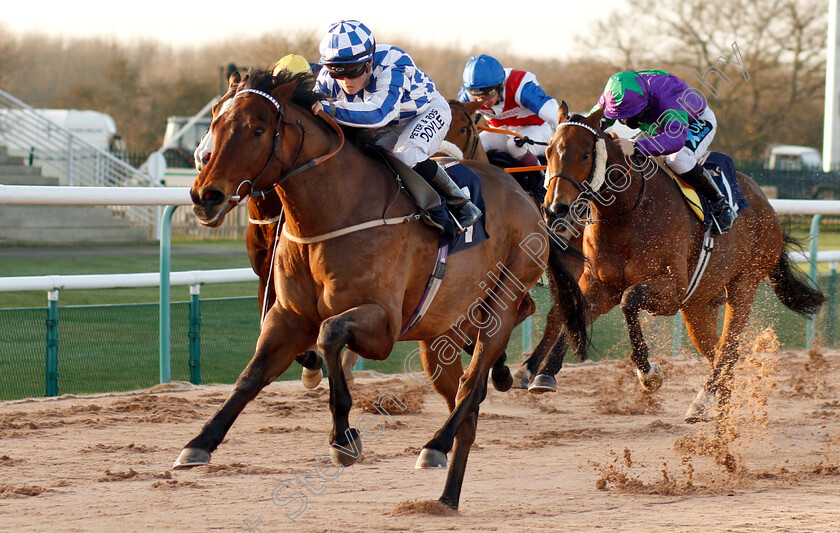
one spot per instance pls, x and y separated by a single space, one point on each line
253 142
576 158
462 141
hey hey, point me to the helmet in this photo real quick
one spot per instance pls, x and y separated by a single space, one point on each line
483 71
293 63
625 95
346 41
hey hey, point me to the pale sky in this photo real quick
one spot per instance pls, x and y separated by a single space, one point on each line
542 29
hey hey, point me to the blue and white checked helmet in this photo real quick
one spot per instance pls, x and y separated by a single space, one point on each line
346 41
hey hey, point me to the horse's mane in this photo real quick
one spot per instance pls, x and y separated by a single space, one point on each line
304 96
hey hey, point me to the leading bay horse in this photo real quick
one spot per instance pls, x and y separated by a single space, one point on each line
353 263
642 244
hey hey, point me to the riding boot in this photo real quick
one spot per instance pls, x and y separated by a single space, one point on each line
465 212
699 178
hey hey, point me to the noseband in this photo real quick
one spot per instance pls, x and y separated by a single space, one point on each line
253 191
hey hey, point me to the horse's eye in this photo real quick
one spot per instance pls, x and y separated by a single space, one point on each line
258 132
464 130
585 156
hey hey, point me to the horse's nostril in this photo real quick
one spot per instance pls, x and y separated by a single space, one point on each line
210 197
559 210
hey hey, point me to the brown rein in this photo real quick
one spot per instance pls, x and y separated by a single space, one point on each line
252 184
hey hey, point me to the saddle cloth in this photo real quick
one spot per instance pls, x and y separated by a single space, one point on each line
433 206
722 170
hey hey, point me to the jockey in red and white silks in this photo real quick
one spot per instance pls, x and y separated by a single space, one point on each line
512 100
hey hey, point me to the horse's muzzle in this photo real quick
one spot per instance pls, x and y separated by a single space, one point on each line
210 206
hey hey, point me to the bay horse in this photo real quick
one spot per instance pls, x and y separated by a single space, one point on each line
537 372
642 245
347 275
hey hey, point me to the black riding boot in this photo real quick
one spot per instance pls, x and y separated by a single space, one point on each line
465 212
702 182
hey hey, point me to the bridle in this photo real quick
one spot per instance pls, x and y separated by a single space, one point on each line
253 190
597 176
593 185
473 139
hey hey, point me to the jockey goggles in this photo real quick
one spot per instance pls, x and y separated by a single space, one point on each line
340 72
484 92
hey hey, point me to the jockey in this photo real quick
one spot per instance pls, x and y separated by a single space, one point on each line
657 102
291 62
513 100
379 87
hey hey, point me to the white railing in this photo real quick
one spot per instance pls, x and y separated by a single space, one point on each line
73 160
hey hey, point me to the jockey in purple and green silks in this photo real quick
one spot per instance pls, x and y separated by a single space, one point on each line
677 123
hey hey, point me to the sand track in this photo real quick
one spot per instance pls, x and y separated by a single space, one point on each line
599 454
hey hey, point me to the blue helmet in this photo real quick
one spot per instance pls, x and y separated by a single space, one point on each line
483 71
346 41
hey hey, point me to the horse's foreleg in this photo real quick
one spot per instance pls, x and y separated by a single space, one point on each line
659 296
740 294
366 329
283 336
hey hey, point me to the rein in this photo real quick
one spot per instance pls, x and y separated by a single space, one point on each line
303 168
253 191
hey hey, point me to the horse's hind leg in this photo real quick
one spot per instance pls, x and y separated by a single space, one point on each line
459 429
283 335
740 295
362 328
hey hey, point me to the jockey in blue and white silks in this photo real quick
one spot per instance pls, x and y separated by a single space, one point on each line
512 99
379 87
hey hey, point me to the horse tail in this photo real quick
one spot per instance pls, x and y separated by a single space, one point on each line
792 287
568 295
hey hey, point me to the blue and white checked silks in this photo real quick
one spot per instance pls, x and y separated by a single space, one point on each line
346 41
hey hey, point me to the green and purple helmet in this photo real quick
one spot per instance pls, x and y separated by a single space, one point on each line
625 95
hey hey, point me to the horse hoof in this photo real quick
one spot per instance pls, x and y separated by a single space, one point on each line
653 379
501 378
341 457
191 457
521 378
543 383
702 408
430 458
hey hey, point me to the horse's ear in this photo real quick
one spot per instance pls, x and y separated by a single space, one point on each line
234 80
242 83
283 93
563 112
596 116
472 107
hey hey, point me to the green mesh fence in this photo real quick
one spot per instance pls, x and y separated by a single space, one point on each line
115 347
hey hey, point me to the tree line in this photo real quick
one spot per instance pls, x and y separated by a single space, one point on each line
780 100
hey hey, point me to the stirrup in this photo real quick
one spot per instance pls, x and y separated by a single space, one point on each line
724 215
466 215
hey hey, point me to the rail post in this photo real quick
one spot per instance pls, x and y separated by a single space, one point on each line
831 321
51 372
195 334
165 268
811 331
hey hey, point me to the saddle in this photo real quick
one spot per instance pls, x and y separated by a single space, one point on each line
433 207
722 170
